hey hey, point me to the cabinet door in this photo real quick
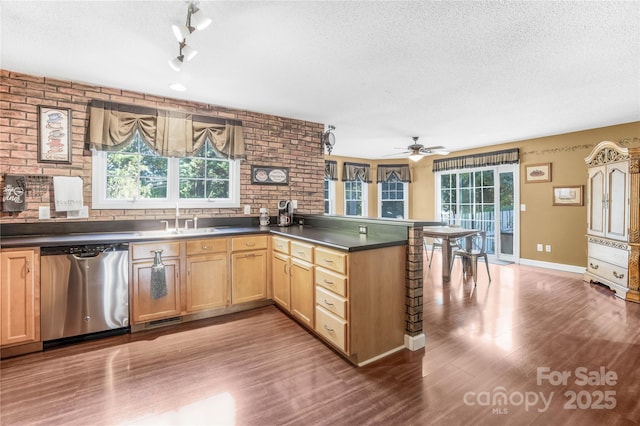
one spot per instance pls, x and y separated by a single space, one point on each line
144 307
596 202
207 282
302 294
20 297
617 202
249 276
280 280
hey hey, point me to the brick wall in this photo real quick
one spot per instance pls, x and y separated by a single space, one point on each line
270 140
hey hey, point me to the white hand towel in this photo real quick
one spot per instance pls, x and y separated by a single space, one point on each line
68 193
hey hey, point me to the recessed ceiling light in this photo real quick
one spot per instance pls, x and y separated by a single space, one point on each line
178 87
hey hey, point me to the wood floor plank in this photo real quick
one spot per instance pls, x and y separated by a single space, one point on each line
261 368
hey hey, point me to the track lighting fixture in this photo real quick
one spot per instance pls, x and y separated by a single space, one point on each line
195 21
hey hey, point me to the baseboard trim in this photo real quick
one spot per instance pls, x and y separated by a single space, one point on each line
375 358
555 266
414 343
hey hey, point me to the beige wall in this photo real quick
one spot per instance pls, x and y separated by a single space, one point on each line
562 227
270 141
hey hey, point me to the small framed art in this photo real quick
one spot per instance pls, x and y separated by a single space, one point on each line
54 135
568 195
537 173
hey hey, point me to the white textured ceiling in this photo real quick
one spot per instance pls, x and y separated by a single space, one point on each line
459 74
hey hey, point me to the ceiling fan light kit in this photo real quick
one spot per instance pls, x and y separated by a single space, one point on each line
416 151
195 21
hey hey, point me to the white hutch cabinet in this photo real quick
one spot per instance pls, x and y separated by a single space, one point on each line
613 235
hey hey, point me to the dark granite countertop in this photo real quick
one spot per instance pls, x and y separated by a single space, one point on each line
337 239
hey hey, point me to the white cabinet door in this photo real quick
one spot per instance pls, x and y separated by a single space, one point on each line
596 203
617 201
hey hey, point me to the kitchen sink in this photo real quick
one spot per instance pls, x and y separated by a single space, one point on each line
175 233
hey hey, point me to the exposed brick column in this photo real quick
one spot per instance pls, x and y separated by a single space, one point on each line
413 285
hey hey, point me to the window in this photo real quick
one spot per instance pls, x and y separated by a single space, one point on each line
355 198
329 196
135 177
392 195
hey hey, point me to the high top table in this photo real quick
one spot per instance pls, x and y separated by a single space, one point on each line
446 234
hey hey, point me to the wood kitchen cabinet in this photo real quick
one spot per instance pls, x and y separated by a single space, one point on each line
144 308
249 268
292 278
280 269
20 298
207 282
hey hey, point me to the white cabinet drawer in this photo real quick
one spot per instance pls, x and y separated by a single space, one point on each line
613 255
332 328
331 302
614 273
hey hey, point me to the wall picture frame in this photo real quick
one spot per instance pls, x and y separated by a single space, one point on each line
268 175
535 173
54 134
568 195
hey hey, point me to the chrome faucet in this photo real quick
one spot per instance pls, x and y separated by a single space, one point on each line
186 223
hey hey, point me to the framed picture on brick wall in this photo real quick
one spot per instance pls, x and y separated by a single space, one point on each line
267 175
54 135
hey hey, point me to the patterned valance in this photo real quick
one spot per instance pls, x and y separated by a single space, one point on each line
356 171
168 133
507 156
387 171
331 169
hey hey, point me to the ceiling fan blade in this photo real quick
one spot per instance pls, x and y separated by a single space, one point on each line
434 148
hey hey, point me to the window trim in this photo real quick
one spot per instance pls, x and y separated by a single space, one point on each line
332 196
98 191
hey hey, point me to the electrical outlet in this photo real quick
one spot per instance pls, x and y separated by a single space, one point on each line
294 204
523 207
362 229
44 212
539 247
547 248
247 209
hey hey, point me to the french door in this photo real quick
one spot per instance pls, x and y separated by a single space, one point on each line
483 198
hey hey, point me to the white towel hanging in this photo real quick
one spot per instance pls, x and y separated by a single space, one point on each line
68 193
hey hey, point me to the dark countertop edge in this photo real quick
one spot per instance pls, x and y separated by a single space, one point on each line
318 235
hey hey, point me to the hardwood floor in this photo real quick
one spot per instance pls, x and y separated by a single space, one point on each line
261 368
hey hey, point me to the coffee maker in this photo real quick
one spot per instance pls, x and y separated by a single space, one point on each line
285 213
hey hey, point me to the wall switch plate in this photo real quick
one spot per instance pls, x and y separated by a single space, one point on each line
247 209
547 248
44 212
362 229
523 207
539 247
294 204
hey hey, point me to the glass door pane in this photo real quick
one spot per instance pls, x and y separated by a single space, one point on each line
507 212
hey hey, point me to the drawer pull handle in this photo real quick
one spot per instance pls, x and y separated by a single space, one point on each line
205 247
28 266
328 260
327 302
593 266
250 244
250 255
301 253
617 275
329 329
328 282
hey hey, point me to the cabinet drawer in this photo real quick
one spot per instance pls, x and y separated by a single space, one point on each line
332 328
613 255
332 302
302 251
254 242
332 281
206 245
330 259
145 251
614 273
280 244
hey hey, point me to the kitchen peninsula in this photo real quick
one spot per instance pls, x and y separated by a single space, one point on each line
361 306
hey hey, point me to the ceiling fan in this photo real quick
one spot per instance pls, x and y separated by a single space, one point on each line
416 151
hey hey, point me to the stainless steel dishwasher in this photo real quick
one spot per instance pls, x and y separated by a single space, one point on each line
85 290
